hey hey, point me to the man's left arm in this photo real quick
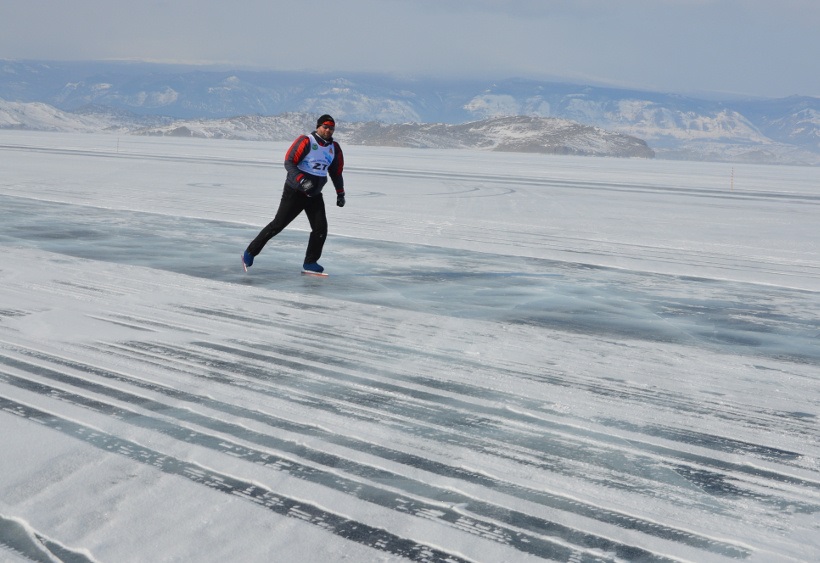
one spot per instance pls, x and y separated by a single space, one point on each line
335 172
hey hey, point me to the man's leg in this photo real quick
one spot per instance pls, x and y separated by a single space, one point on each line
315 211
290 206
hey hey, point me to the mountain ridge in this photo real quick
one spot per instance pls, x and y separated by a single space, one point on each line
784 130
510 134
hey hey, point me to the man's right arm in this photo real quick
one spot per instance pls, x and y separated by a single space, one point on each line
295 154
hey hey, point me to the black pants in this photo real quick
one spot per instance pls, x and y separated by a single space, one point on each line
290 206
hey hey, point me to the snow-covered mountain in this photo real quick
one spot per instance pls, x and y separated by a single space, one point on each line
782 131
512 134
38 116
773 131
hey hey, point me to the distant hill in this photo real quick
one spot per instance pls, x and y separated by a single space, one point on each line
511 134
785 130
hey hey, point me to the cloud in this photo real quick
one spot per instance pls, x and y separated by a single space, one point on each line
751 46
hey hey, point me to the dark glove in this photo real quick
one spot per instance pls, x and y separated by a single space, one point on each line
340 200
306 185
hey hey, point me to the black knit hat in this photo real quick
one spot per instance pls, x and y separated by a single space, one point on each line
325 120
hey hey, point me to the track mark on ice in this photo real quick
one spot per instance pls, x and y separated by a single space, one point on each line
266 498
495 523
368 473
29 543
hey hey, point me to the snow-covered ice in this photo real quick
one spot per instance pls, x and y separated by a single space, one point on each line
515 357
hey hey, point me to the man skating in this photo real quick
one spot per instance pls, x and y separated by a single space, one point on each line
310 160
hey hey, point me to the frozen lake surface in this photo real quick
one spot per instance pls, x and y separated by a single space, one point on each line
514 358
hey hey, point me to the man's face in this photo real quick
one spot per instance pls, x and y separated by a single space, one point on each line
325 131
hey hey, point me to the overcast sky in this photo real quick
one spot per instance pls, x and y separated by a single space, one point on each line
753 47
